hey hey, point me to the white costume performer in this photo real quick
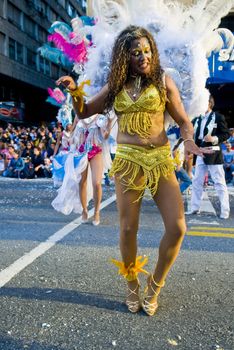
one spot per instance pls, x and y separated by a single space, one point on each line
87 142
67 145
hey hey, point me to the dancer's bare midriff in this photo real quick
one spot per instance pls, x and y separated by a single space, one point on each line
157 136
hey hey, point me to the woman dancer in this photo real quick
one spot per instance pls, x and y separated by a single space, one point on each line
82 166
63 145
140 93
90 136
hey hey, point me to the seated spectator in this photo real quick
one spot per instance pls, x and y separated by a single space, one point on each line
9 152
231 138
15 167
3 163
41 137
50 149
42 146
47 168
33 134
6 136
28 168
3 147
228 157
28 151
38 162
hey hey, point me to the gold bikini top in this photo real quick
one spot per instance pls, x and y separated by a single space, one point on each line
135 116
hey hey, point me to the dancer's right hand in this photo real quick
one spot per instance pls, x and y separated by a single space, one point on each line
67 82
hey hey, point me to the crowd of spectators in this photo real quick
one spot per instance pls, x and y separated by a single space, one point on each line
27 152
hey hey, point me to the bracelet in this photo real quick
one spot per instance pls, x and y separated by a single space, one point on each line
78 92
188 140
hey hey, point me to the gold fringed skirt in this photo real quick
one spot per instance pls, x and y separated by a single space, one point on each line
132 160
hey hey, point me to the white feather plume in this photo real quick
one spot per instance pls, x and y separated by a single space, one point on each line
185 36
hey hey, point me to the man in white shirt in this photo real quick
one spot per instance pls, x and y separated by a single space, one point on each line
210 130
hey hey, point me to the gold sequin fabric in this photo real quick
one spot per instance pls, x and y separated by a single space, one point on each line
132 160
135 115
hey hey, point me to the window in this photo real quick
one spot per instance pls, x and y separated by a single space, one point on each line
1 8
30 27
54 71
47 67
52 16
38 4
12 52
82 3
41 64
71 10
19 53
16 51
62 3
31 59
2 43
44 66
14 15
42 34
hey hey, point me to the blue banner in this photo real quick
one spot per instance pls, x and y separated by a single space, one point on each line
221 68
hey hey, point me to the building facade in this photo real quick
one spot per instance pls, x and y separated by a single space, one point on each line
24 74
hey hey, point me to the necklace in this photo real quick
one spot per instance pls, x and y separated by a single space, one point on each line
137 86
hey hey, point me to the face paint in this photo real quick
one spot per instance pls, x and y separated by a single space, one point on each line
141 55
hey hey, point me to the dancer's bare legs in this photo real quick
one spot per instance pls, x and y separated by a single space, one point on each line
169 201
129 212
96 164
83 193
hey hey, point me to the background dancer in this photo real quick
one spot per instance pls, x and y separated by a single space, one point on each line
63 144
91 136
87 159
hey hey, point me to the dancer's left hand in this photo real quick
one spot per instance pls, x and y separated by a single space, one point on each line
191 148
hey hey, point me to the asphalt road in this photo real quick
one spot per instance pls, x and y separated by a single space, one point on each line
58 290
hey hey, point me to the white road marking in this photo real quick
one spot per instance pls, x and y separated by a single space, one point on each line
11 271
200 222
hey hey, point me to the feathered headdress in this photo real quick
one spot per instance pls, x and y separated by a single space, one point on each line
185 37
56 98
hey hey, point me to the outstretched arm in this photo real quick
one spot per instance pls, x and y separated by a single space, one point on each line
82 109
176 109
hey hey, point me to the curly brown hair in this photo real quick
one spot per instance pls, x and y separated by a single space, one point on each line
120 61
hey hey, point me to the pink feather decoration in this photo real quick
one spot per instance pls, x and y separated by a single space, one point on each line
57 95
76 53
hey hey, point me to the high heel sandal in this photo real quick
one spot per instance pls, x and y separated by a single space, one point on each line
130 273
96 222
134 306
84 218
151 307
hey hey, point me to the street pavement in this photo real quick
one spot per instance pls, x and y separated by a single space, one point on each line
59 291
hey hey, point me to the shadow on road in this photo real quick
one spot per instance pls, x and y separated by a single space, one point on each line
102 301
9 343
